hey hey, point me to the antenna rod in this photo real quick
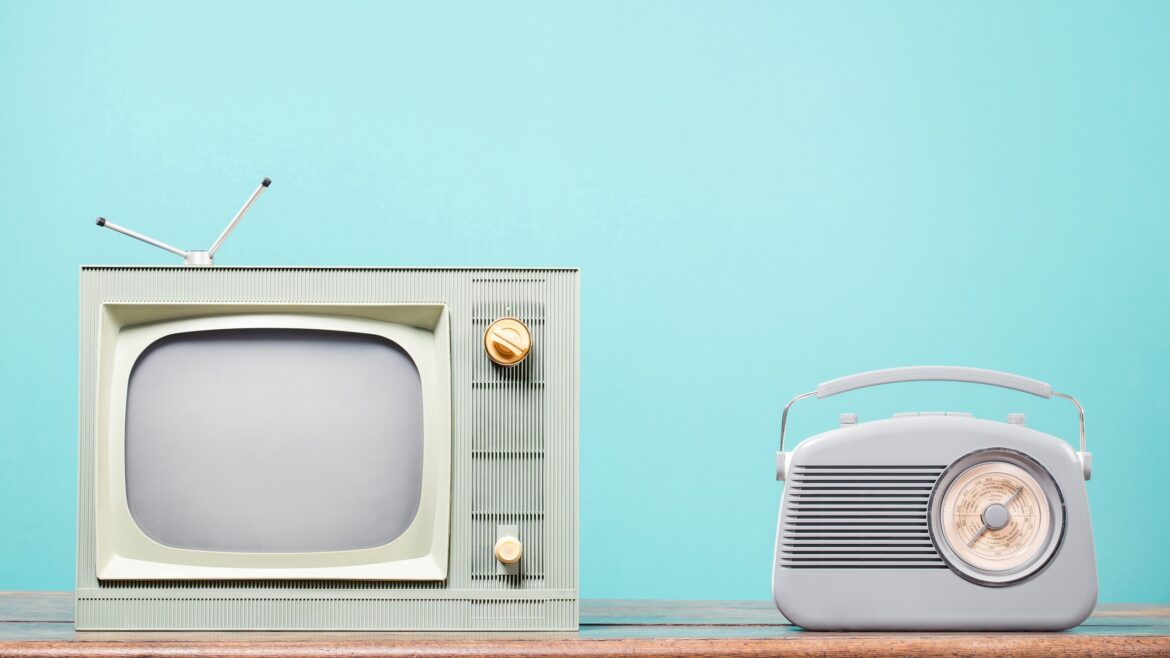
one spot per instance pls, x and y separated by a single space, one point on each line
236 220
102 221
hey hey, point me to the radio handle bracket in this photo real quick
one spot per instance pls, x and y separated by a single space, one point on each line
934 373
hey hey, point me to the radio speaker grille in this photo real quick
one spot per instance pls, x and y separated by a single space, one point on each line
858 517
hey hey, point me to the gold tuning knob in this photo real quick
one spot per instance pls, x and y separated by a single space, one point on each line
508 550
507 341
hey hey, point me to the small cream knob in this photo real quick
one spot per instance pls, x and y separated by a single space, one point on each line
507 341
509 550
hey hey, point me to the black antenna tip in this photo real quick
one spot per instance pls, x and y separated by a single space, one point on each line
101 221
266 182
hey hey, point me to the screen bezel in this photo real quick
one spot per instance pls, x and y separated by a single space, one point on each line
125 552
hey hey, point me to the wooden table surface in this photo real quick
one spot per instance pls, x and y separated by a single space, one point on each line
41 624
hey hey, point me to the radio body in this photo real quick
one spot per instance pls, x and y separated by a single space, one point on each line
934 521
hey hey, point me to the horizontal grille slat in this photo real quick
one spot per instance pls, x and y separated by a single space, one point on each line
863 564
863 517
859 533
875 546
897 550
817 507
861 523
862 497
870 467
879 485
877 515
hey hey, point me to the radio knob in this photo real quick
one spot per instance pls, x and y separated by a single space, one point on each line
507 341
509 550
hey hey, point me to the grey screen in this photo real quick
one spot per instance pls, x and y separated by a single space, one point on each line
274 440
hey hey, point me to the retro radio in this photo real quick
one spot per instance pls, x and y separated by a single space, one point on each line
934 521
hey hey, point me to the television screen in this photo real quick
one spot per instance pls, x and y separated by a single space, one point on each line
274 440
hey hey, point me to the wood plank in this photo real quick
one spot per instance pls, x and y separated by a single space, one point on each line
58 607
877 646
648 611
36 606
40 624
657 612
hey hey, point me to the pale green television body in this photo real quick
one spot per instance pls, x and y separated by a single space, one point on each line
325 449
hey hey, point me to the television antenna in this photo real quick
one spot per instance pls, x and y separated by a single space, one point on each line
199 258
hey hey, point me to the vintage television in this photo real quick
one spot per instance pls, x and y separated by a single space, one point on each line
327 448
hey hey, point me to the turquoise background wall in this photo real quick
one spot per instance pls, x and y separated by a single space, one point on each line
760 195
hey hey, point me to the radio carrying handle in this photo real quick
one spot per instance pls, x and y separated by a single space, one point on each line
934 373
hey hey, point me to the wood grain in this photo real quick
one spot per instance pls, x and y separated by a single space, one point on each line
41 624
810 645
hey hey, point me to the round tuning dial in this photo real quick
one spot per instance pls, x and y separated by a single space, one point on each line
996 516
509 550
507 341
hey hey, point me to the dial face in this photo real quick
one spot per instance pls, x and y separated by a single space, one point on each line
994 516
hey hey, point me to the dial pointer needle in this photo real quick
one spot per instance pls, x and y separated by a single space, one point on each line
979 534
986 527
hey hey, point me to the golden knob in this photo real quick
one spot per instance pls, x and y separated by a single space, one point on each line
509 550
507 341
